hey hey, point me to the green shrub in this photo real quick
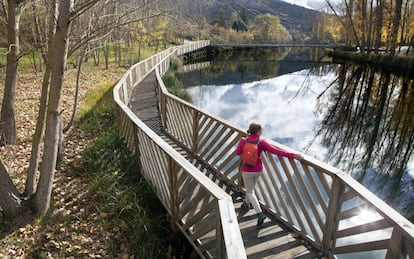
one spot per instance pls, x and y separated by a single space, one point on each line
172 79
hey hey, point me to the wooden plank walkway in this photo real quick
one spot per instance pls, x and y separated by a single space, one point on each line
272 240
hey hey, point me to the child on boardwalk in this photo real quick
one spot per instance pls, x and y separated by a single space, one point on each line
251 172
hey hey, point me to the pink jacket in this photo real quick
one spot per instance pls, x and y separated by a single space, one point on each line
262 146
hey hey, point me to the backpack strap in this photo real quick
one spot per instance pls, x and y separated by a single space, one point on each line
253 142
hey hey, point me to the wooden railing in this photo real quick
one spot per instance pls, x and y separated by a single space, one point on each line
199 208
322 204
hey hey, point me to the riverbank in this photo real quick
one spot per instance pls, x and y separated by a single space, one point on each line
397 64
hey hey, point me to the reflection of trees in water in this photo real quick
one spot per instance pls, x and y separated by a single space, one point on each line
238 66
261 63
370 123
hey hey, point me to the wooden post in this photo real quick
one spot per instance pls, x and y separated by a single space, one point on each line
136 148
331 224
163 99
221 247
395 246
174 206
196 118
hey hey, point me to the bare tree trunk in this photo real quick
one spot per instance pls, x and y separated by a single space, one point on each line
349 8
378 29
363 24
396 26
75 103
10 200
410 45
34 61
37 138
115 55
119 53
106 54
97 56
139 51
7 119
403 26
370 24
47 171
37 34
141 35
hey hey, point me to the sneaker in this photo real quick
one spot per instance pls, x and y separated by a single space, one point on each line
260 218
246 206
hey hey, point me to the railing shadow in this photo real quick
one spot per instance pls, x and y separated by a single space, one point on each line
322 204
198 208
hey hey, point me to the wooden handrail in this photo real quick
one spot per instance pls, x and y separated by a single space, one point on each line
321 203
178 184
314 199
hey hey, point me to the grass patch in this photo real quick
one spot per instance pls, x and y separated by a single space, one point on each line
120 194
98 112
95 97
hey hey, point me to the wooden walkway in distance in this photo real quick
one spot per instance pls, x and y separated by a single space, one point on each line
272 240
275 45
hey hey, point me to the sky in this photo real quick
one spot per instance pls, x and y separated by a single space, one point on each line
319 5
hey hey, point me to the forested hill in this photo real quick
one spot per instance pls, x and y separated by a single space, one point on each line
293 17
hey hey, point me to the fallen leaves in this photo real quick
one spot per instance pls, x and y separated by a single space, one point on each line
73 228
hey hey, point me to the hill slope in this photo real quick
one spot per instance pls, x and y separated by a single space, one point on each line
293 17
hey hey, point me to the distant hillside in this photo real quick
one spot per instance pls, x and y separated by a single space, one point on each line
293 17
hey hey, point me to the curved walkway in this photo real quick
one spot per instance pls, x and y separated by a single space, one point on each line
273 240
322 204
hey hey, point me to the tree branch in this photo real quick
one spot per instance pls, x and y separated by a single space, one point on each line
105 31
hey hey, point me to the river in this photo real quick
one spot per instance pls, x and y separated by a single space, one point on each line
355 118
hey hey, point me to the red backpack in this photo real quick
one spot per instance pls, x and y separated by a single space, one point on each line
250 153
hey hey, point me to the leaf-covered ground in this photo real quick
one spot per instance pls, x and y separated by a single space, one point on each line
77 225
16 157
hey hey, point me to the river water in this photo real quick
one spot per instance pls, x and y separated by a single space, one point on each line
355 118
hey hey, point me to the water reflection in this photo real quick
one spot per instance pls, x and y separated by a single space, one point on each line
370 122
369 130
352 117
238 67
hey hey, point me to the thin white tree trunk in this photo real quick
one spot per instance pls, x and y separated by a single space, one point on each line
47 170
35 153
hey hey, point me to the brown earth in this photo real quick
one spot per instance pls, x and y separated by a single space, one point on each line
73 226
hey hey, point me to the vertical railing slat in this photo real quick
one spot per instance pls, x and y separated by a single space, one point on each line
196 118
331 224
327 186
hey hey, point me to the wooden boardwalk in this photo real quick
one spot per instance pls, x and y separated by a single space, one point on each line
275 45
310 205
273 239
